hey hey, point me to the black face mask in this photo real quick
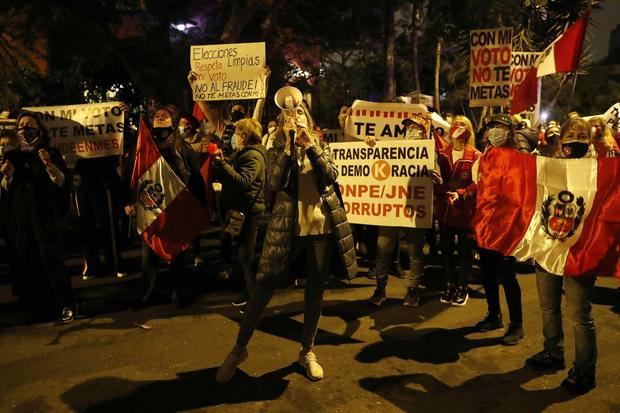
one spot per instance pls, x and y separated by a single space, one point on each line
236 115
162 134
29 135
575 149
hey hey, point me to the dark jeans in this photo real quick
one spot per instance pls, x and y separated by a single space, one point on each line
578 292
247 245
150 270
96 231
388 240
495 267
318 253
460 240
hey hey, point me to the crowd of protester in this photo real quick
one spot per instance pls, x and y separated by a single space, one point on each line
285 179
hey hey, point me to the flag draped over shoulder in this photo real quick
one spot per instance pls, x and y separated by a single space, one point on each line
564 213
169 217
562 56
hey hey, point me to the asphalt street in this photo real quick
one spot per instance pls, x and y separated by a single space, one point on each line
388 359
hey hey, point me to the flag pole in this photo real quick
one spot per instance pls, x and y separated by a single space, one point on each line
572 94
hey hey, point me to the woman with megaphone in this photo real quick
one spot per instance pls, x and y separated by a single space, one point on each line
307 218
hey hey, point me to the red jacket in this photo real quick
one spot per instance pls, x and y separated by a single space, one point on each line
459 179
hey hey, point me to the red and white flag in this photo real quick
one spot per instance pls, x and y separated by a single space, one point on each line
169 217
561 56
564 213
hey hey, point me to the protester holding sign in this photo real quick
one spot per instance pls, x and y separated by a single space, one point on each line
308 219
602 138
456 205
34 197
417 128
98 191
561 225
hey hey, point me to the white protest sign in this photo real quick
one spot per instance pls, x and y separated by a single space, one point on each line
379 120
7 127
521 64
229 71
489 67
611 117
388 184
83 131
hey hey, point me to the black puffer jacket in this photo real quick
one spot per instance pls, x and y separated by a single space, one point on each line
282 178
243 178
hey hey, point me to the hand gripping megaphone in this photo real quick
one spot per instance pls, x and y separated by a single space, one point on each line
288 98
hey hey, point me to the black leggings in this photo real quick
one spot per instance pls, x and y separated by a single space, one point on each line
494 267
318 252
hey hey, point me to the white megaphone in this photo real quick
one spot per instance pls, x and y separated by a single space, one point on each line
288 98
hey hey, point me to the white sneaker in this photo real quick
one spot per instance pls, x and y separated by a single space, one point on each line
228 368
314 371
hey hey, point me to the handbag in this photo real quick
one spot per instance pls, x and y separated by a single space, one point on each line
233 223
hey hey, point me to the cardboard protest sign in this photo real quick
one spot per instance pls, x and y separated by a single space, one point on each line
84 131
228 71
388 184
8 127
489 67
379 120
521 64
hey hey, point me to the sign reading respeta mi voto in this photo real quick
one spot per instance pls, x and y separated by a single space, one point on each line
389 184
229 71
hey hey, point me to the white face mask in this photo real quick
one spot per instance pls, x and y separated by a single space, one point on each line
414 134
497 137
271 129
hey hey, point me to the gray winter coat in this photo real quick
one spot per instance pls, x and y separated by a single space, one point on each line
282 178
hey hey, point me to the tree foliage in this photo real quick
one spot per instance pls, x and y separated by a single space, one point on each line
131 50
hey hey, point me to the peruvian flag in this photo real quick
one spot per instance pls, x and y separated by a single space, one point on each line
561 56
561 212
169 217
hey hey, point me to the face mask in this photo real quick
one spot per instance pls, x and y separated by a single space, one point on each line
271 129
28 135
184 130
575 149
233 141
161 134
414 134
460 134
237 115
497 137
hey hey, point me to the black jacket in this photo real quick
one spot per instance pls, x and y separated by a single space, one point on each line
243 178
32 206
282 179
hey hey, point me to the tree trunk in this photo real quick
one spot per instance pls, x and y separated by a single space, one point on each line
437 70
415 36
418 15
389 90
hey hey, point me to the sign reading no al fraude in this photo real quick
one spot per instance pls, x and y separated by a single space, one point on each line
229 71
388 184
